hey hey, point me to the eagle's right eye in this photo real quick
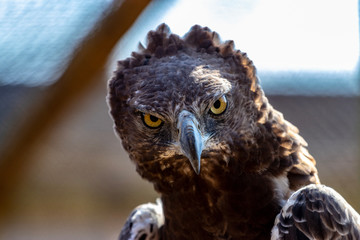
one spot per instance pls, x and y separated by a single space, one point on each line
151 121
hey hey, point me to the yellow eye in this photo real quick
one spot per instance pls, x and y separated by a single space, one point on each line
151 121
219 106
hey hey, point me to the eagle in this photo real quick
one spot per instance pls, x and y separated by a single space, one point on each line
194 119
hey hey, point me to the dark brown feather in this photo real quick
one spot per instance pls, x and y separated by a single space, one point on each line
254 158
317 212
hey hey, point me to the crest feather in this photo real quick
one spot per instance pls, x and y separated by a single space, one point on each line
161 43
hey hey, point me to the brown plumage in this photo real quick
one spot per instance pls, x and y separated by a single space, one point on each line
220 175
316 212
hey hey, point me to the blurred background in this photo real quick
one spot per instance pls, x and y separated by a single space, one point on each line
63 172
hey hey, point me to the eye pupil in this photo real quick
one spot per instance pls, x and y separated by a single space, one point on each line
153 118
217 104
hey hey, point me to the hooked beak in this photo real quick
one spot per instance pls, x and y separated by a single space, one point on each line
191 141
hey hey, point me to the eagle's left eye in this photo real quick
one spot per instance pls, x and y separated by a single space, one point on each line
219 106
151 121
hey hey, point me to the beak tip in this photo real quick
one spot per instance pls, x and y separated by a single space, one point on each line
197 171
196 165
